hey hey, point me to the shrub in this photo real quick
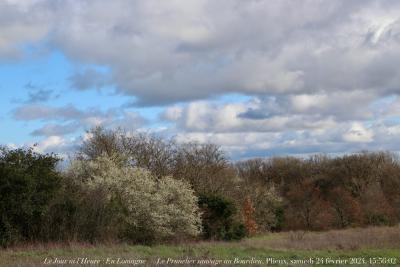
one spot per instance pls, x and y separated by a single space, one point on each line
204 166
268 212
28 181
218 219
248 214
150 209
79 213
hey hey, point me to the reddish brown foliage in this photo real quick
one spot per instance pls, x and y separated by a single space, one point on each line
248 213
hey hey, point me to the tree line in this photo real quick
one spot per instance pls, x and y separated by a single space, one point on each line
140 188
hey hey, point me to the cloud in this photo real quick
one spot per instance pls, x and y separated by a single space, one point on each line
213 117
354 105
307 125
21 23
40 95
89 79
75 119
40 112
51 143
358 133
63 147
56 129
320 75
177 51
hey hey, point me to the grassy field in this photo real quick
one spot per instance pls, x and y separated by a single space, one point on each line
378 246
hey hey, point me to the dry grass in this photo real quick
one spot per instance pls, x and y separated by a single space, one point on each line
338 244
349 239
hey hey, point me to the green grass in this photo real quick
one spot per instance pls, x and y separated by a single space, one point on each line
333 245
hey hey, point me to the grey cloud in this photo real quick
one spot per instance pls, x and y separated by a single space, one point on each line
20 23
40 112
173 52
316 69
210 117
254 114
264 144
76 119
56 129
37 94
300 129
41 95
354 105
89 79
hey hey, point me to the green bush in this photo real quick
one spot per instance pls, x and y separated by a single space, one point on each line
28 182
280 218
378 219
218 219
79 213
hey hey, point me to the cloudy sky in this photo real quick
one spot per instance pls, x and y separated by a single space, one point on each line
257 77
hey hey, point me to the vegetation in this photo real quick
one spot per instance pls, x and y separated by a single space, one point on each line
366 244
28 182
141 189
147 209
122 203
218 219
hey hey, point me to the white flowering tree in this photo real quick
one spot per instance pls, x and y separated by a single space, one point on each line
151 209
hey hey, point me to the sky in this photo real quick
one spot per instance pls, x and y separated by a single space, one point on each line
259 78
